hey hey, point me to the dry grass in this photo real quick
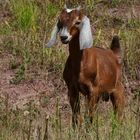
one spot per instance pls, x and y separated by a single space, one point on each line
25 66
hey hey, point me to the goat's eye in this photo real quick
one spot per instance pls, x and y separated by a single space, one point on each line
59 25
78 22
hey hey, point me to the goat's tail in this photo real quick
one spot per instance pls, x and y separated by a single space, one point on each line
115 47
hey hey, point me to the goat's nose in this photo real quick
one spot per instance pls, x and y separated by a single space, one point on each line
63 38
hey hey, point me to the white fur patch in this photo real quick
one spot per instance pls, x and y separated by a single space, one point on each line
64 32
69 10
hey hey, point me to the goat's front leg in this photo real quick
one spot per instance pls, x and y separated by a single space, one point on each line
73 94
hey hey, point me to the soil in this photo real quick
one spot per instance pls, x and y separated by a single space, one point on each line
40 90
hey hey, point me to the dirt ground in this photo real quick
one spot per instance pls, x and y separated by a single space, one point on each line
41 89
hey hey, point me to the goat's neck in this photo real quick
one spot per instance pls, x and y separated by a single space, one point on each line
74 47
75 55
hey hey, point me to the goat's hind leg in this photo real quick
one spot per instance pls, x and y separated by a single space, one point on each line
118 101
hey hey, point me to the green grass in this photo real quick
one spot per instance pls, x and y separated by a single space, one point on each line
17 123
25 13
23 34
5 29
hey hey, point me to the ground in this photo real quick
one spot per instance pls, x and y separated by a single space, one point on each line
46 89
41 86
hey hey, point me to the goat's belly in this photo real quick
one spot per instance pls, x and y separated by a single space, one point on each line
105 96
83 89
107 87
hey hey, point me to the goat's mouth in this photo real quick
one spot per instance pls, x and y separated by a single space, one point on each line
65 41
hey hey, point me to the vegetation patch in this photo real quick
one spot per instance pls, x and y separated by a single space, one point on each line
45 112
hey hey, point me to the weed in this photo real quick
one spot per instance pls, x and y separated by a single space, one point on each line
25 13
5 29
23 36
114 3
51 9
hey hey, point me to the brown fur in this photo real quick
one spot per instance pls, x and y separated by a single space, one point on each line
95 72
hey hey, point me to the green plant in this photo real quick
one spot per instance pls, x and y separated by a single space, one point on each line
22 68
5 28
22 37
51 10
25 13
114 3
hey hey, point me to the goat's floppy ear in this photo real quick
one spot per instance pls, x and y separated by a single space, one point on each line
53 36
85 37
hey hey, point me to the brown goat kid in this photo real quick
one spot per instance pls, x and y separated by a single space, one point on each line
95 72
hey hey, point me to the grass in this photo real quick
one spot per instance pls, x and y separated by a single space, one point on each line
23 34
105 126
25 13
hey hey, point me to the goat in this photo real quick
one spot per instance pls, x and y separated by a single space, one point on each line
93 71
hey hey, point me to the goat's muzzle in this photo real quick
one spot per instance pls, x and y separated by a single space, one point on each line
64 39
